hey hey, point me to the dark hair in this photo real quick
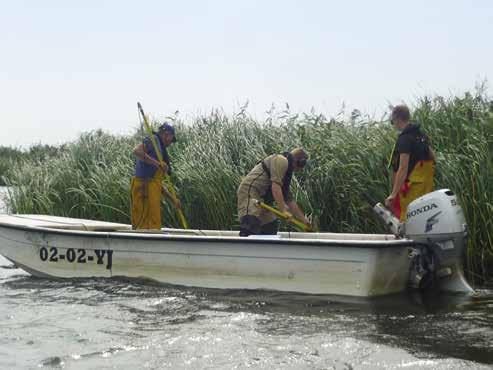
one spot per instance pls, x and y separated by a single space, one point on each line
401 113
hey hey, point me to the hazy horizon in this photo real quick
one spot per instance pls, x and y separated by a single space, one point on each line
70 68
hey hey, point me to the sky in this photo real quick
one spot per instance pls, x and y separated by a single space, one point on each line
68 67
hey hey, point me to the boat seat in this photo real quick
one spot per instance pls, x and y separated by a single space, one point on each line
64 223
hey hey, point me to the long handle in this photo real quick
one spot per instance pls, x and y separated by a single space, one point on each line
167 178
300 225
389 161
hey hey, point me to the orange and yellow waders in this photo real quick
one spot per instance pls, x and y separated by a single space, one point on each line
419 182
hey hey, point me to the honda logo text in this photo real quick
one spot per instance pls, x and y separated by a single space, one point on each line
421 210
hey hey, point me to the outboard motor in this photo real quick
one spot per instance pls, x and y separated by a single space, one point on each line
436 223
437 220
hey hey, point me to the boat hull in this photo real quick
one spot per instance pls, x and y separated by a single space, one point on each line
318 265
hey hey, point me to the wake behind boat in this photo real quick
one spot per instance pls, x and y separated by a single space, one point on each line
318 263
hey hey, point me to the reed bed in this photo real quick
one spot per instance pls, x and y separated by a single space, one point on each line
10 157
90 178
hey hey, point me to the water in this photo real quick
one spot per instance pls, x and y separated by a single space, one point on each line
121 324
128 324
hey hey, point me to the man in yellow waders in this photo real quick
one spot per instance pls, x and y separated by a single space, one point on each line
412 162
147 183
269 181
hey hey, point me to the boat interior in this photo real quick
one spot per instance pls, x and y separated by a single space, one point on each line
65 223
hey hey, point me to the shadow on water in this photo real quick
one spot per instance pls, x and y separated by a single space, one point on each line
430 325
427 324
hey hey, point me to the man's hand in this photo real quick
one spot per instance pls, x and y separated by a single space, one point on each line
389 200
306 221
163 167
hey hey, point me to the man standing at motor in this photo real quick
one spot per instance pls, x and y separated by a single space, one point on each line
269 181
412 161
147 183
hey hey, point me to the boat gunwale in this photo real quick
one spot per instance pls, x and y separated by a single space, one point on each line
380 244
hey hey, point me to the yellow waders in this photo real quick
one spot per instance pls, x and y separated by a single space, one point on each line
146 201
419 182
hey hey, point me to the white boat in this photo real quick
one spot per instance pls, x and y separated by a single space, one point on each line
318 263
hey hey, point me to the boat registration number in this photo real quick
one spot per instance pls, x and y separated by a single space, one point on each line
77 255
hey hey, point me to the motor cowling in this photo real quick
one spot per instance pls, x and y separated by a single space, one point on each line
435 216
436 222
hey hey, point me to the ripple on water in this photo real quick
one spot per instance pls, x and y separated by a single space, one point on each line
52 362
97 323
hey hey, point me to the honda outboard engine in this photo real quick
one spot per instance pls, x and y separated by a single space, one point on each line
437 220
436 223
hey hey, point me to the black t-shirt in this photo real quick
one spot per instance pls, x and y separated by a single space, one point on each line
414 142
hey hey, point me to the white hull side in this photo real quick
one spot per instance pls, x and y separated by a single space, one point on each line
227 263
